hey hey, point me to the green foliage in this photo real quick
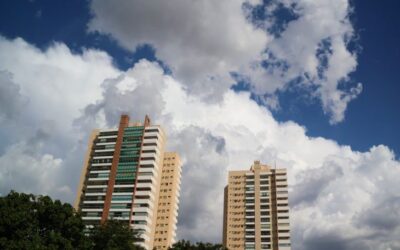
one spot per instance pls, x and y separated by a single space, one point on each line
39 223
187 245
30 222
114 235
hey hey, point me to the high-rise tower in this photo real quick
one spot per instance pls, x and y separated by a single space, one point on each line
123 178
256 210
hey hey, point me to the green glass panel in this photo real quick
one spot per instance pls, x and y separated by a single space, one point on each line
132 177
132 163
122 198
125 152
129 140
135 128
127 156
133 132
130 145
126 168
122 171
133 166
130 149
124 178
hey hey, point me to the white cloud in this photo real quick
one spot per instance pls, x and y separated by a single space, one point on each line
205 41
205 166
45 91
201 41
25 169
350 210
11 101
312 50
332 184
55 76
335 190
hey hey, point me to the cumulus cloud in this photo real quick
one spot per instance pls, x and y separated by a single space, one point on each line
311 51
25 169
11 101
42 92
138 87
352 209
205 167
204 42
332 185
201 41
311 183
334 190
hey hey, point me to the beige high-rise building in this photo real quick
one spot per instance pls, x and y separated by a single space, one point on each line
167 213
127 176
256 210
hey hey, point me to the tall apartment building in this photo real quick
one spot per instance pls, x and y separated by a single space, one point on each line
168 202
127 176
256 210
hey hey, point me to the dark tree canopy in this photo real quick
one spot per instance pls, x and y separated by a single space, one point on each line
187 245
39 223
114 235
30 222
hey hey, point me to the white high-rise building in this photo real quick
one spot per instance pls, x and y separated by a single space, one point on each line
122 177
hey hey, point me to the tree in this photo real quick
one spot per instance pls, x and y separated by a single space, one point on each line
38 222
113 235
187 245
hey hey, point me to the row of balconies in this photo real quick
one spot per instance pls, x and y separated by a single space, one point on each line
104 150
105 139
108 132
93 201
283 234
154 131
98 143
91 218
99 172
151 142
102 157
280 177
99 164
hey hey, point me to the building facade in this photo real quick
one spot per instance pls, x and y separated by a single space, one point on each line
123 178
256 209
167 213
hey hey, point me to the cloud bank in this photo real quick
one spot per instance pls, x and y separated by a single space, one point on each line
339 198
211 45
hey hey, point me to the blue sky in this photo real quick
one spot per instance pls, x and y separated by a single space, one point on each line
311 85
